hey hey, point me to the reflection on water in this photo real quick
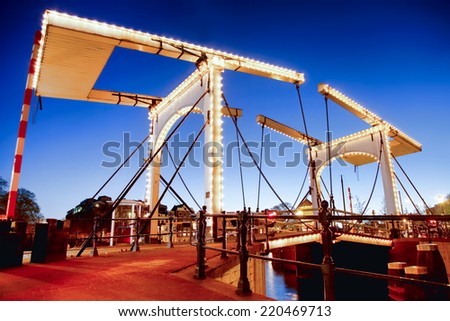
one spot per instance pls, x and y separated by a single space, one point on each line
280 285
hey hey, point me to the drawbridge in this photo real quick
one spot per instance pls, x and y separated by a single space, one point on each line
69 55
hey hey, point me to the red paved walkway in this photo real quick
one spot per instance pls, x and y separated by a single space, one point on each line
155 273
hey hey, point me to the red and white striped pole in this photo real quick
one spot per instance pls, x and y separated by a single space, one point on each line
12 199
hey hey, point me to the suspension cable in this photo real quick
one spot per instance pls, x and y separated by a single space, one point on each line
169 183
374 182
373 189
150 159
407 194
343 195
257 166
308 142
259 175
304 197
329 153
137 175
240 163
121 165
177 169
260 164
325 186
409 180
301 190
297 87
376 175
175 194
181 178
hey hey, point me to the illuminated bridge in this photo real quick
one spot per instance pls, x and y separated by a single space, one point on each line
68 56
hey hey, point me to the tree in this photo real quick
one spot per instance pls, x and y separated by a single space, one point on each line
281 207
27 208
358 206
3 185
383 209
444 206
3 197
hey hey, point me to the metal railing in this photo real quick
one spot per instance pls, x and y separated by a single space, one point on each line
328 269
243 224
166 231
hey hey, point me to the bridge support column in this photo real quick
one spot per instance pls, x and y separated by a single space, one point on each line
387 174
153 176
213 149
185 98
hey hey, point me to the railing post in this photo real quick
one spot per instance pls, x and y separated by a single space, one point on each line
238 232
327 263
158 230
200 270
94 251
243 288
224 255
266 221
251 226
170 244
136 246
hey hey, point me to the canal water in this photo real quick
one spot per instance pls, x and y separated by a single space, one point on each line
281 285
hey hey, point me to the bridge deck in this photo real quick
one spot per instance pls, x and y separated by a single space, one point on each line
155 273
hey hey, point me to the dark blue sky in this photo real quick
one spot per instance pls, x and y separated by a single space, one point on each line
393 57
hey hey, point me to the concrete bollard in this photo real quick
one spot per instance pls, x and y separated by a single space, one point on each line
428 255
396 288
50 241
396 269
415 292
10 246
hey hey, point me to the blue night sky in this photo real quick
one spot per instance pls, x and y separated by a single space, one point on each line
393 57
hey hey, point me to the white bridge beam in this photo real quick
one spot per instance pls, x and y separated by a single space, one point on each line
177 104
